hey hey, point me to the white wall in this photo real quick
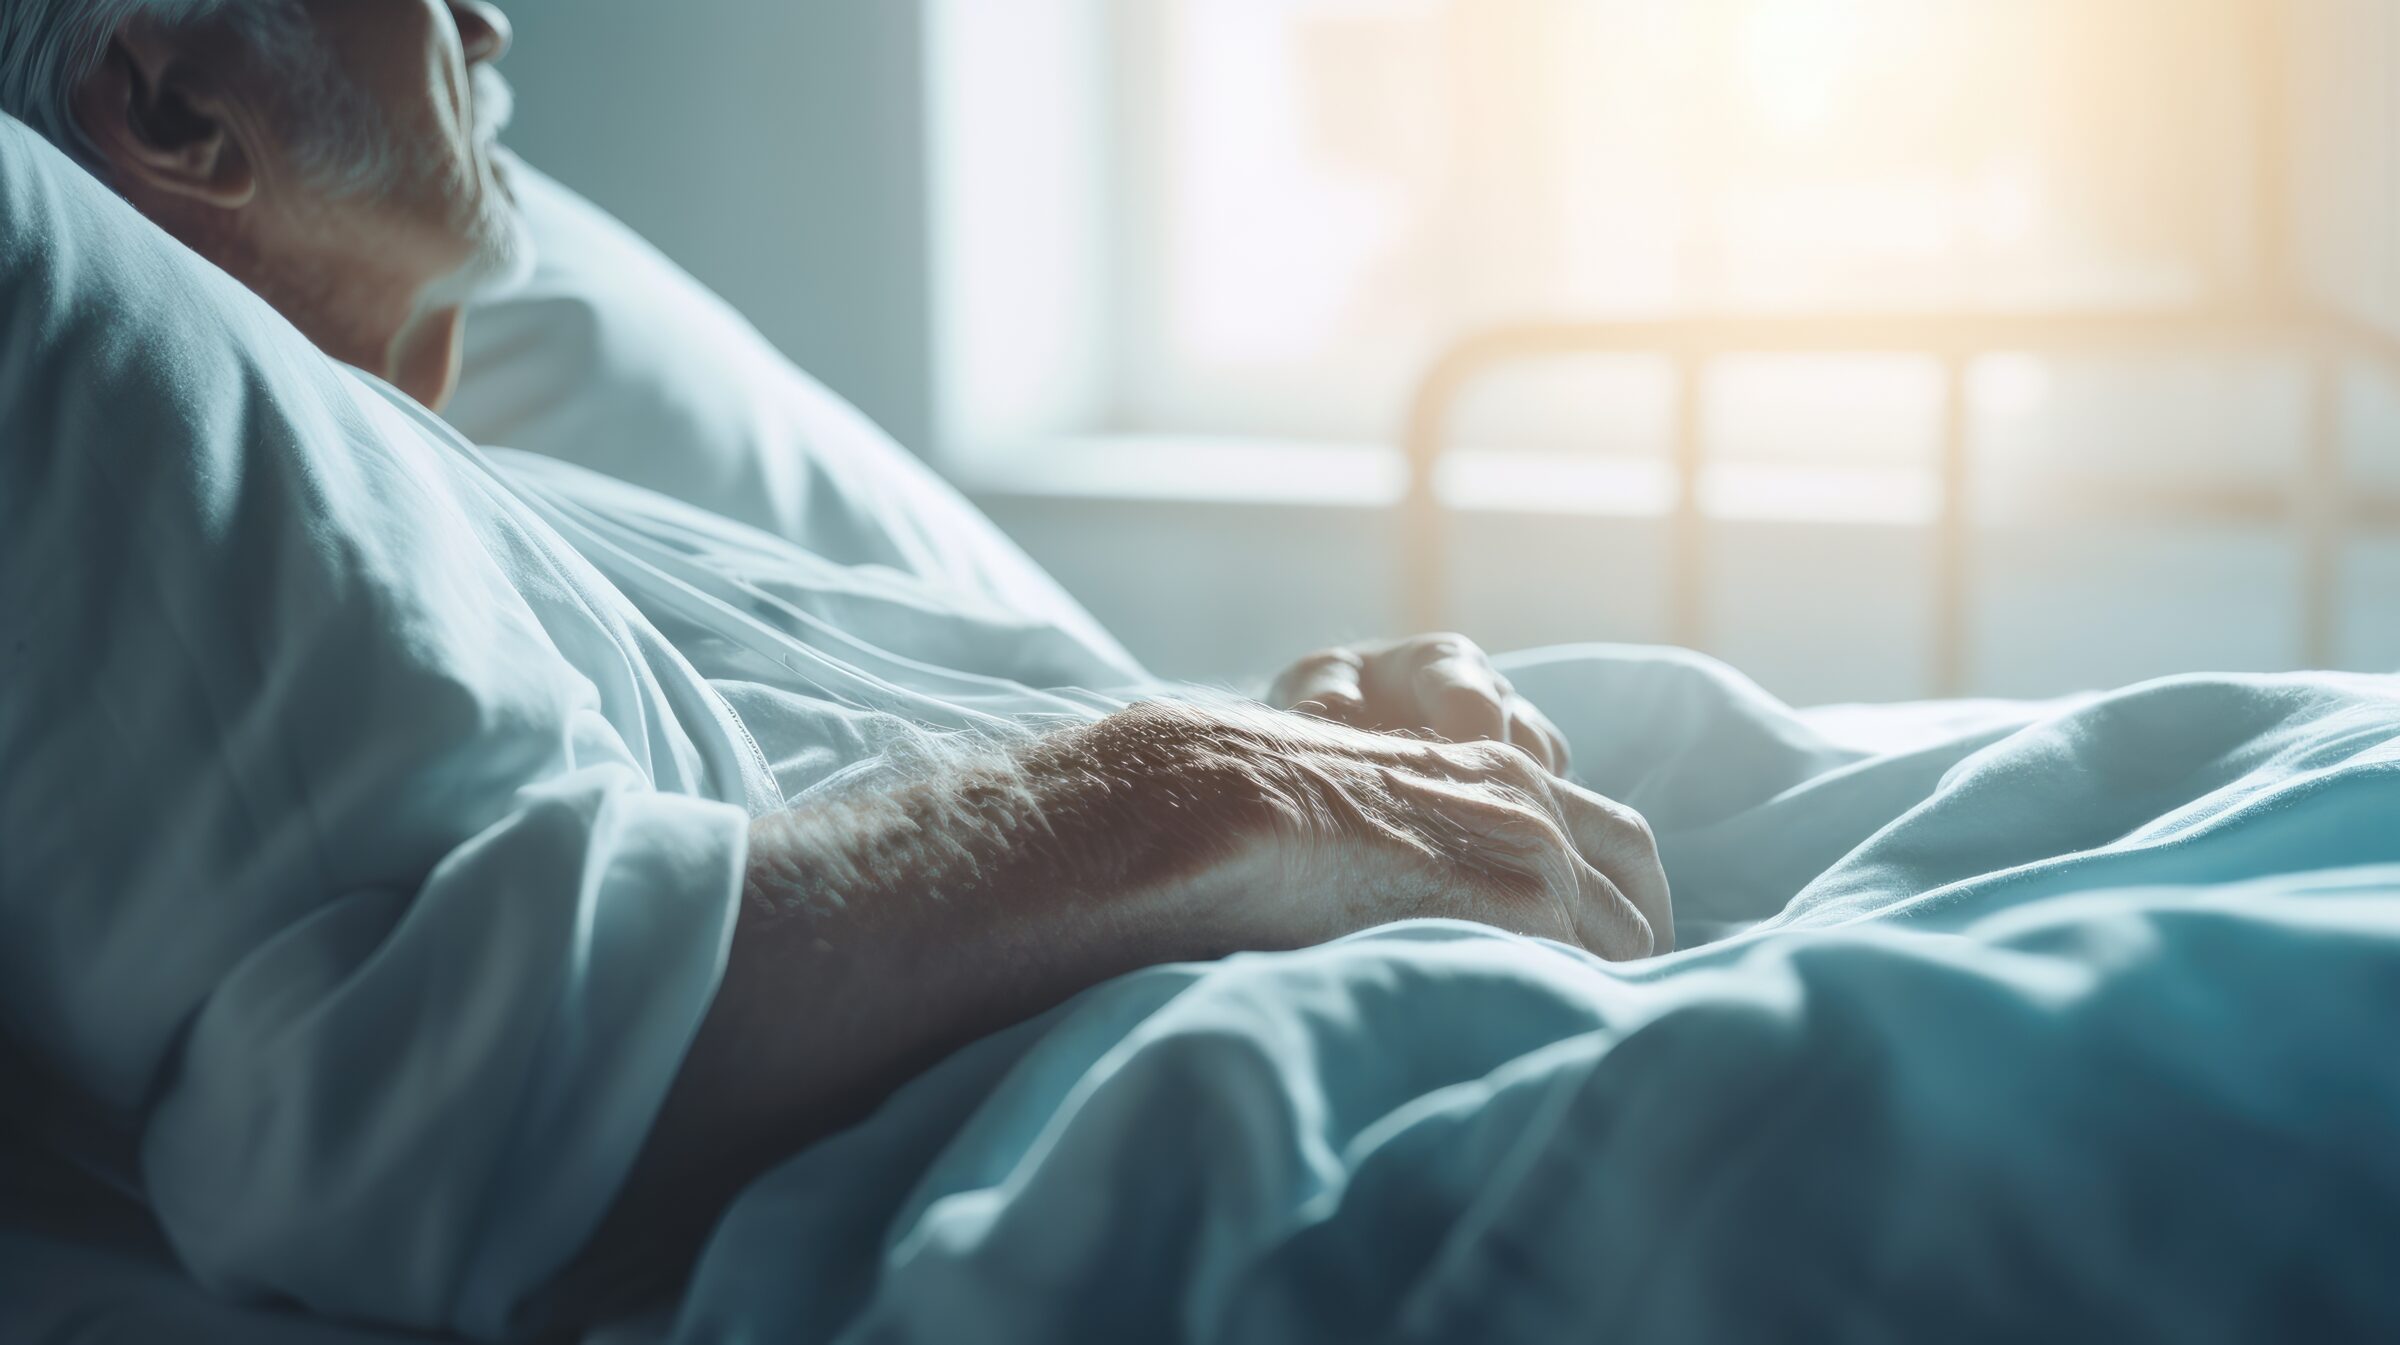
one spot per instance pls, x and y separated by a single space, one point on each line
1815 614
2346 154
776 148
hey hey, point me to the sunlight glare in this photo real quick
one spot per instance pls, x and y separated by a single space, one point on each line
1797 53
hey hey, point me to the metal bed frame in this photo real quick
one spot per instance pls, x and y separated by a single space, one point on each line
2316 503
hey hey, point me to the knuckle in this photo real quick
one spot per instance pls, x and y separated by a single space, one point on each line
1639 826
1318 664
1319 676
1624 933
1629 824
1504 763
1642 940
1442 646
1463 698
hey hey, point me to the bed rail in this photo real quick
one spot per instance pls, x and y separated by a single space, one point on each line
2315 504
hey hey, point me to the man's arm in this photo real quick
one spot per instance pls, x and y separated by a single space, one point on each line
881 932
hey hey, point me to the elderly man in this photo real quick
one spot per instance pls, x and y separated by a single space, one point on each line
336 157
434 878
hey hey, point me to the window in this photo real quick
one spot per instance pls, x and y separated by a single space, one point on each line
1210 248
1262 218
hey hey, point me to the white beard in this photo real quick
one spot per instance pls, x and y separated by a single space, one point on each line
503 256
504 252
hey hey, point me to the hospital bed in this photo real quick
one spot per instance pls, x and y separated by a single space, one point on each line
1529 1141
58 1229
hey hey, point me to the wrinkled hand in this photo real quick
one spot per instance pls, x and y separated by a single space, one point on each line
1481 831
1439 684
1351 829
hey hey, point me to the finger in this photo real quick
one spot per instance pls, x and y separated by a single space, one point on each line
1324 684
1517 867
1424 649
1459 702
1532 730
1606 920
1526 736
1616 840
1393 675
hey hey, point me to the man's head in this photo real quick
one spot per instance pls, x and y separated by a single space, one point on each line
334 155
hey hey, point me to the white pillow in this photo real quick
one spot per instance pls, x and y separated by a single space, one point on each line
613 358
364 859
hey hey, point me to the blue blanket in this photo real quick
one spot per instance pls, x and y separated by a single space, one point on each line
2023 1022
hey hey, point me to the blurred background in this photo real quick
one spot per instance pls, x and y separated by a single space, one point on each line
1887 348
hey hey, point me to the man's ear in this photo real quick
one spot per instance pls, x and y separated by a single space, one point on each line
157 120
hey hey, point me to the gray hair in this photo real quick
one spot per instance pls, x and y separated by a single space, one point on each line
49 47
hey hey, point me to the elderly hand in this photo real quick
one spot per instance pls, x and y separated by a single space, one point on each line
886 926
1439 684
1347 829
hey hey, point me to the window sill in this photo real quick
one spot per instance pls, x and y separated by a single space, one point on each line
1190 470
1309 474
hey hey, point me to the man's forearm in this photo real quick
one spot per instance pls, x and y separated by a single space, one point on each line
909 921
882 929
